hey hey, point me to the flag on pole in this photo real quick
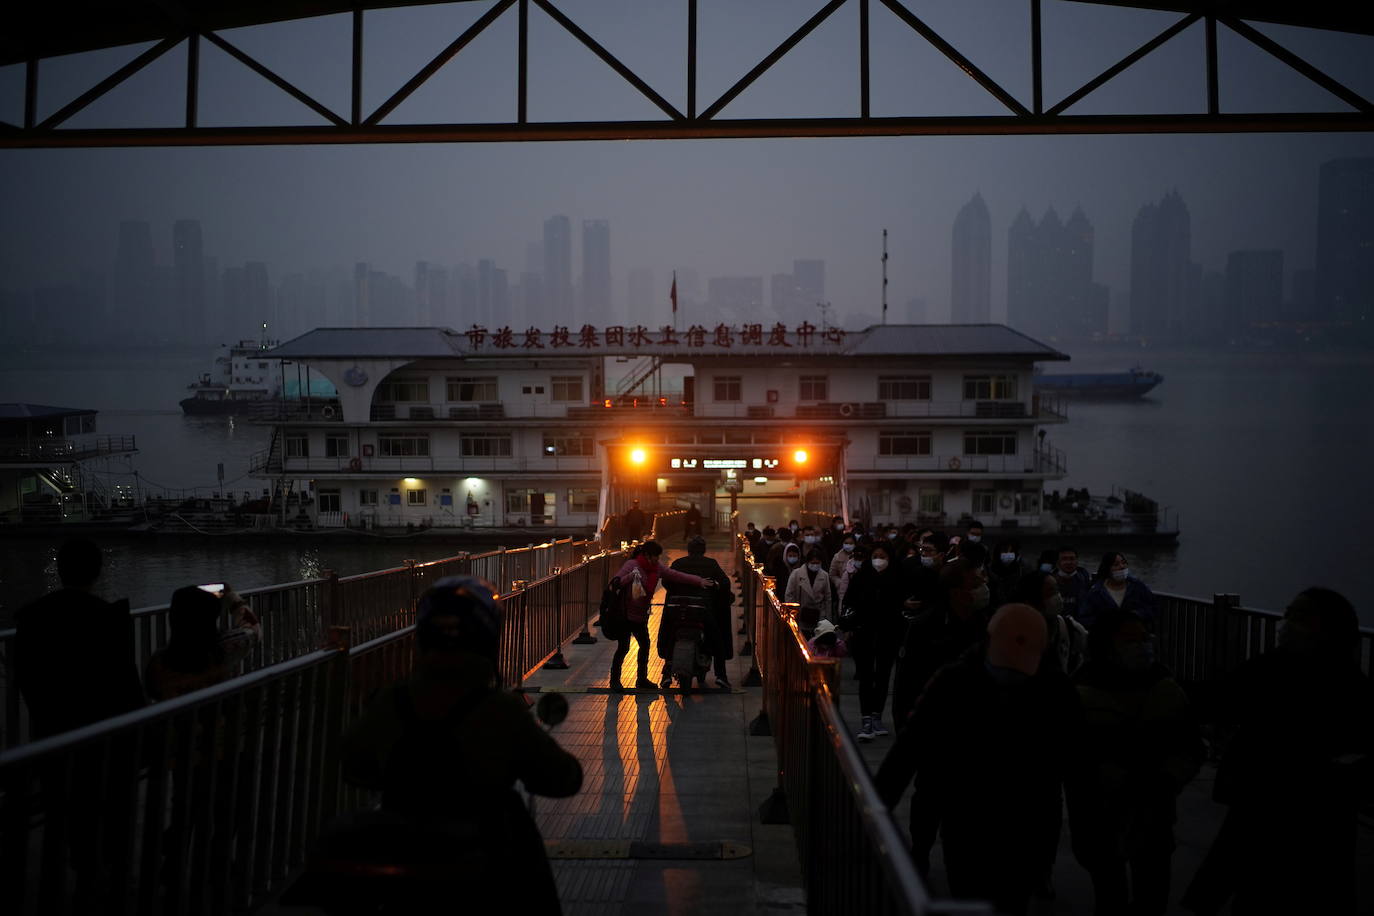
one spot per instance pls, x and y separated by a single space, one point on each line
673 295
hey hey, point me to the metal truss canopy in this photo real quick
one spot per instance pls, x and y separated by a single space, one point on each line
169 24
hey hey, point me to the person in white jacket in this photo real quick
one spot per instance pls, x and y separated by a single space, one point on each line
809 588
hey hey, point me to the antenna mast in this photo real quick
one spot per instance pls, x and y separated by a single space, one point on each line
884 276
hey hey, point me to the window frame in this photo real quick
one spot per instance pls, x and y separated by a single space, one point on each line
888 437
369 497
296 445
930 501
332 447
558 442
417 496
388 391
999 386
977 442
813 388
467 443
566 395
722 387
326 495
895 390
589 502
480 384
386 443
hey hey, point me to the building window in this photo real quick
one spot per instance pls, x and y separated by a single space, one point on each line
297 447
1027 502
904 388
990 442
518 501
814 388
403 390
904 442
568 444
532 389
403 446
733 437
566 387
930 502
329 501
472 388
727 388
335 446
485 446
417 497
262 365
989 388
585 500
879 502
367 497
984 502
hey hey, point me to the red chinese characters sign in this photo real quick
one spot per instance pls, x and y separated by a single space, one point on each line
619 337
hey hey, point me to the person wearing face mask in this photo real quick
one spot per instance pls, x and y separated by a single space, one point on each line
1294 770
989 744
1066 646
811 540
832 538
872 613
844 550
952 619
1142 746
784 557
1046 562
767 539
855 561
1115 589
974 533
809 588
1005 570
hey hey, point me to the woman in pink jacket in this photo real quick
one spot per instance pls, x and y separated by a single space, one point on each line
639 577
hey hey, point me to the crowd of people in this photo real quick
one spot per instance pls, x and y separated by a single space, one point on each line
1021 689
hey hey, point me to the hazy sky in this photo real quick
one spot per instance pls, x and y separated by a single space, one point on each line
722 207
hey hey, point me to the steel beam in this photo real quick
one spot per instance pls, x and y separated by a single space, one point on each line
999 125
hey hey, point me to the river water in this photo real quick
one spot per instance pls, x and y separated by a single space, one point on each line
1264 457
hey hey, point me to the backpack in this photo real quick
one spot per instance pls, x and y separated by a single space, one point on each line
613 622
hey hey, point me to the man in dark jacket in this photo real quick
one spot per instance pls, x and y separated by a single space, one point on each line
1292 775
717 624
634 522
989 744
74 652
774 564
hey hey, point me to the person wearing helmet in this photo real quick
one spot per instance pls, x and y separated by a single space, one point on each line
989 744
445 748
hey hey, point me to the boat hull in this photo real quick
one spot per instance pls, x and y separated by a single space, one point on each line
204 407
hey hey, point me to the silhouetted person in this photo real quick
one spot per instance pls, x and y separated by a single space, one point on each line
639 577
1292 773
1141 747
634 522
445 748
198 655
717 624
691 521
989 744
74 652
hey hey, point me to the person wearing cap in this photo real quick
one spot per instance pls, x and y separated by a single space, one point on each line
717 623
445 748
989 744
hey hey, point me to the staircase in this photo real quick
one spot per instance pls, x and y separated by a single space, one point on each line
637 376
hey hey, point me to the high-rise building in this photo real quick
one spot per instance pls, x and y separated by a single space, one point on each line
735 298
1254 289
1050 290
188 265
440 312
234 312
808 276
783 295
596 272
1162 269
1345 243
971 275
558 289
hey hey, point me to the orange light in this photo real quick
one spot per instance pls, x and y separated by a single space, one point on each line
606 403
800 456
638 456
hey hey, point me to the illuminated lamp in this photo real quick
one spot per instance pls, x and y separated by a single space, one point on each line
411 481
800 456
638 456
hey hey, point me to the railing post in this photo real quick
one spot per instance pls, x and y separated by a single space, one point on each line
331 615
1223 630
756 583
558 663
585 638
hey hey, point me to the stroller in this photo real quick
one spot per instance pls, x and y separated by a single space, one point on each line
682 637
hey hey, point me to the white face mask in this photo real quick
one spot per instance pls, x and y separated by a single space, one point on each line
793 559
892 535
927 562
974 538
1007 558
814 567
1120 574
849 548
879 564
810 539
1046 567
794 526
839 527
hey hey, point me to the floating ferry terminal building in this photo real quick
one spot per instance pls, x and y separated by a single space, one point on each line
494 428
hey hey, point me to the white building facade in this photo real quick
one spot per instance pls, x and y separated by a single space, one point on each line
489 428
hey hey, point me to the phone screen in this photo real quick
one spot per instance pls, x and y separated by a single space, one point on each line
216 589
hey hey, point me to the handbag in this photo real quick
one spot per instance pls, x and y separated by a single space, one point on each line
613 621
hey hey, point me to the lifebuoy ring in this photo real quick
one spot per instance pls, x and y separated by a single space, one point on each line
328 412
355 464
846 410
1005 502
955 464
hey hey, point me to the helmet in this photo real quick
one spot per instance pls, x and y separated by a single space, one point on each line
459 612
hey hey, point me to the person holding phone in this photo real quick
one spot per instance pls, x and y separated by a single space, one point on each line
198 654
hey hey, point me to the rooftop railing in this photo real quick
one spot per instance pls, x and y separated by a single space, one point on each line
20 450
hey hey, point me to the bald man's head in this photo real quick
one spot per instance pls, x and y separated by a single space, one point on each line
1016 638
